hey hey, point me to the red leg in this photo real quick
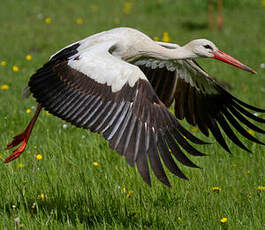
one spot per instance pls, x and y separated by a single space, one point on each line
22 138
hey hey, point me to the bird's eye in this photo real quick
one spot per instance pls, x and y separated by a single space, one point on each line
208 47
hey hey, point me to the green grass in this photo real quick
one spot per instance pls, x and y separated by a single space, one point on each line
79 195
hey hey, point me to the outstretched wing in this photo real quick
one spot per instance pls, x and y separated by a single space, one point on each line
200 99
94 90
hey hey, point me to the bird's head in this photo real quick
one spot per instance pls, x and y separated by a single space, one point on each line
202 48
206 48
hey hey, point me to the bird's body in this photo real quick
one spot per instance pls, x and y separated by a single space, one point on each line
120 83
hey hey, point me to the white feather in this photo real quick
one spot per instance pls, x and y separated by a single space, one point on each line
98 64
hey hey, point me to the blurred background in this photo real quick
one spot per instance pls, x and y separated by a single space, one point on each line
39 28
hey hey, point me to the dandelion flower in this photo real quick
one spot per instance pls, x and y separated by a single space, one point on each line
39 157
155 38
223 220
28 111
251 132
261 188
28 57
3 63
4 87
15 68
94 8
166 37
129 194
127 6
42 196
195 129
79 21
134 212
216 189
95 163
48 20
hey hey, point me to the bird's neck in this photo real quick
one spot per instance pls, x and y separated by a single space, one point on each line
160 52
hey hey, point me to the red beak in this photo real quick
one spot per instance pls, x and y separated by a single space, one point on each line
222 56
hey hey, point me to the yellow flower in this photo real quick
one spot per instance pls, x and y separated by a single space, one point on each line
123 190
95 163
28 57
79 21
166 37
48 20
42 196
3 63
195 129
155 38
28 111
249 171
251 132
47 113
39 157
216 189
4 87
15 68
130 192
127 6
179 219
20 165
263 2
223 220
134 212
233 165
94 8
260 188
24 182
171 110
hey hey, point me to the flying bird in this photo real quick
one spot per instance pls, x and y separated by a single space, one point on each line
120 83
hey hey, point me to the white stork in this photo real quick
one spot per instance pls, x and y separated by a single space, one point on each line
120 83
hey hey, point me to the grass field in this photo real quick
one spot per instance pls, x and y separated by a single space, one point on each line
80 183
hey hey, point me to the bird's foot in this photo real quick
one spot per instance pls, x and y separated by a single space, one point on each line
16 140
22 138
17 152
